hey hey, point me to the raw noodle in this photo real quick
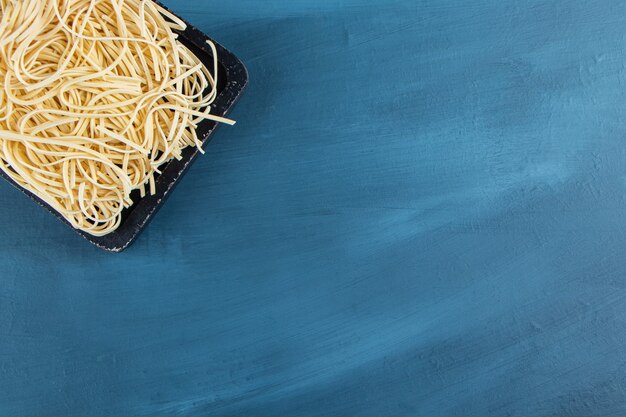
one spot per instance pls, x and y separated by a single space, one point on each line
95 97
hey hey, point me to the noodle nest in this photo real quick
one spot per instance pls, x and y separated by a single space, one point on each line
96 96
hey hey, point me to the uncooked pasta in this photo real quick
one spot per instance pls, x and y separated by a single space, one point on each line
96 96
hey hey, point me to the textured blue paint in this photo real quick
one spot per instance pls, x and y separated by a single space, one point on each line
422 212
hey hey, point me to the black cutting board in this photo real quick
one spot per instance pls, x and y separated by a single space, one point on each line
232 80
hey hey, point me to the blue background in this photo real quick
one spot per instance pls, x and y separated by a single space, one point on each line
421 212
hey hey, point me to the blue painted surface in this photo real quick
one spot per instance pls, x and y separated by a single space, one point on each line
421 212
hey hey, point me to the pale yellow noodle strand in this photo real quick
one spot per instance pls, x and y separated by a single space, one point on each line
95 97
